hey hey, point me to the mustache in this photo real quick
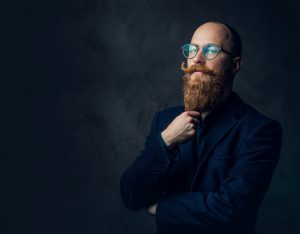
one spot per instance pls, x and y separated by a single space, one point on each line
196 67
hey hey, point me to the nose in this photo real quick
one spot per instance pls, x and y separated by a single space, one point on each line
199 58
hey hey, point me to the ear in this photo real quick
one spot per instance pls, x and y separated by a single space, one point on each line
237 63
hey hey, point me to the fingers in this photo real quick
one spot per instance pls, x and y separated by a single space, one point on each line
193 118
195 122
194 114
182 128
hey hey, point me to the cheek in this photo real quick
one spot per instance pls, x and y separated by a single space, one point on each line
189 62
223 67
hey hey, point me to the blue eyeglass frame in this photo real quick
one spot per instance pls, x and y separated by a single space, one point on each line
219 48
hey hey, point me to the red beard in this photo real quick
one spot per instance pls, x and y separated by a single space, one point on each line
202 92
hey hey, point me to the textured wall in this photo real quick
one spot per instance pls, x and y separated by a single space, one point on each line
83 79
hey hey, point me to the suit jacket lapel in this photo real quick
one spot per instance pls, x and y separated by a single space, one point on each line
223 124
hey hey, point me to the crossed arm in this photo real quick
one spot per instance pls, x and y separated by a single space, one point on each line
238 197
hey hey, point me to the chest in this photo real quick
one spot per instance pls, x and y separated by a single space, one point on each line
203 166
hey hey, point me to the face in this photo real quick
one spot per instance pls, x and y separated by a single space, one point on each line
207 82
216 34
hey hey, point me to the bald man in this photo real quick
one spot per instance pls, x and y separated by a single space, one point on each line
206 165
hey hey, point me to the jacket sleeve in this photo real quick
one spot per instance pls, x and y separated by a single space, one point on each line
240 194
142 183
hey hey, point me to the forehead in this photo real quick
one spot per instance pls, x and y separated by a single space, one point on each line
211 33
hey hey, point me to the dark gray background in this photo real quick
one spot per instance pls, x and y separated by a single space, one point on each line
82 80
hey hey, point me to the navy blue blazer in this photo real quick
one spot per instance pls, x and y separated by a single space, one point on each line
216 188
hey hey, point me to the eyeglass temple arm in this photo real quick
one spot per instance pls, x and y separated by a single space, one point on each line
227 52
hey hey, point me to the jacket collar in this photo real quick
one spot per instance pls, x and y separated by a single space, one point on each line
231 106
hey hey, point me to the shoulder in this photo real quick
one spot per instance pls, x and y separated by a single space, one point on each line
252 120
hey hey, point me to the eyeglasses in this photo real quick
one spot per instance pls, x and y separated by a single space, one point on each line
209 51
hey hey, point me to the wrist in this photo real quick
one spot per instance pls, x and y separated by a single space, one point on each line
168 140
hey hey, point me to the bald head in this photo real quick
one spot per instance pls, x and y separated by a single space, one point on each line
223 34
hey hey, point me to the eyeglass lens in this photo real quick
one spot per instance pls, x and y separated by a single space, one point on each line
209 51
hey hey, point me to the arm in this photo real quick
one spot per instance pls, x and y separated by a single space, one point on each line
240 194
142 182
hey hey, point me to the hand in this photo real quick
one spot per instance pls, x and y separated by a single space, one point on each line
181 129
152 209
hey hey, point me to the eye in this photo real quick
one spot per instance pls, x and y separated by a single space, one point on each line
211 50
192 48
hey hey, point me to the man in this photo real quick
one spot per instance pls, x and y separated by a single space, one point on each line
206 167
